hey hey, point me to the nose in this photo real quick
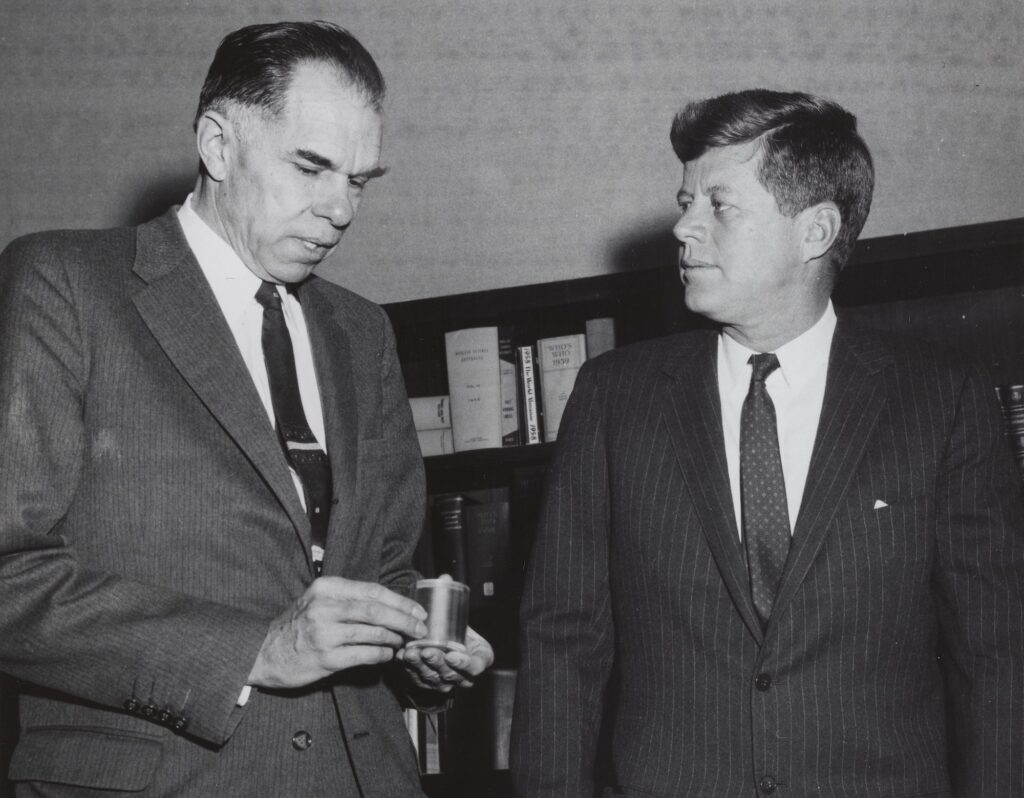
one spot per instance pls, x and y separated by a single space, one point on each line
688 228
337 204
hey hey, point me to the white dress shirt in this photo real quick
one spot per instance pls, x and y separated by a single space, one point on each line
796 388
234 287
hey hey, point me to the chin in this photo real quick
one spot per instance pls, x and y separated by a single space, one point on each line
695 302
294 273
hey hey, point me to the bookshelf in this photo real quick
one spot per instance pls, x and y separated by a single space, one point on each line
962 287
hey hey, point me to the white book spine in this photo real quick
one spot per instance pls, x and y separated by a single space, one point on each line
474 387
431 412
435 441
528 380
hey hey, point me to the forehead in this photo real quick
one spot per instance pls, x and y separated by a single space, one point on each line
324 113
733 167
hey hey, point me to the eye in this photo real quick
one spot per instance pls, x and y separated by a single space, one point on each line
684 205
308 171
719 206
358 182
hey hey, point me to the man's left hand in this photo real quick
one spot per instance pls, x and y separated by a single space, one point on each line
436 669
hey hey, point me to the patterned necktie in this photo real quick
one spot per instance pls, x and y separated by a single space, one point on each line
763 490
297 440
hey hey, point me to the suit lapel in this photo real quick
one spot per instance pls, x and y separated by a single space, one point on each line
332 356
854 398
694 418
178 306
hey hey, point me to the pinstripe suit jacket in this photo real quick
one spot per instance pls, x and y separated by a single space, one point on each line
149 528
909 542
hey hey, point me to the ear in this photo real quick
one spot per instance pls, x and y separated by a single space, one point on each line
214 139
820 228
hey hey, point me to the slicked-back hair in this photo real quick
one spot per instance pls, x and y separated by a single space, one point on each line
809 148
253 65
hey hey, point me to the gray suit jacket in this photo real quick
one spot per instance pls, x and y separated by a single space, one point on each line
902 600
149 528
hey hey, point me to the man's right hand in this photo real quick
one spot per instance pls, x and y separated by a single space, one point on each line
336 624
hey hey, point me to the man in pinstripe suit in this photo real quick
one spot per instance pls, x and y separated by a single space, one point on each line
885 657
161 597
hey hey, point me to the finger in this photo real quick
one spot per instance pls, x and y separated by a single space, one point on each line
354 656
358 634
369 613
424 675
349 589
434 660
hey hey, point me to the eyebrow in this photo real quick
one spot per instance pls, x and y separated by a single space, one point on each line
326 163
720 189
716 189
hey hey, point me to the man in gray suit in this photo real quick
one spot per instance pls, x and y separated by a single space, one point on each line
194 429
784 557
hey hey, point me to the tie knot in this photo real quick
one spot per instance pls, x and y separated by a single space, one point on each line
267 296
763 365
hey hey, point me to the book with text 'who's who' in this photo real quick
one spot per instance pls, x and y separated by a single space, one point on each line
559 361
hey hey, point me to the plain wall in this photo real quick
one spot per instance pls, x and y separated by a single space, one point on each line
528 140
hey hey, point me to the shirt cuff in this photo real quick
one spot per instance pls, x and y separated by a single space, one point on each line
243 697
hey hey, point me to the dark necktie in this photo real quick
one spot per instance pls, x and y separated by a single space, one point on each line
763 489
300 446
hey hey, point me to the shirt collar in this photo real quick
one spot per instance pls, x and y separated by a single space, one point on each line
233 284
799 359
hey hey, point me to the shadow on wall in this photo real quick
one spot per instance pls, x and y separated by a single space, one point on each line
651 247
645 246
149 201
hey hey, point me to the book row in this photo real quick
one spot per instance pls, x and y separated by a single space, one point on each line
502 392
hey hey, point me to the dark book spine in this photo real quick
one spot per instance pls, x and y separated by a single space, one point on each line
1011 399
450 536
511 434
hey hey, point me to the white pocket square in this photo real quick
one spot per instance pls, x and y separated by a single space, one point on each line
879 504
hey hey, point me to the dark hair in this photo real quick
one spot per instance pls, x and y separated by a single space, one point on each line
253 65
810 151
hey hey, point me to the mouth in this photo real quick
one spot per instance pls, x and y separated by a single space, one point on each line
690 265
318 247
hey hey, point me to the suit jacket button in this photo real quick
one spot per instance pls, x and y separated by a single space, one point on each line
180 723
301 740
762 681
132 705
149 710
767 785
164 716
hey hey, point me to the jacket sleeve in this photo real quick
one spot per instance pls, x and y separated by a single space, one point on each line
403 494
567 636
90 634
979 584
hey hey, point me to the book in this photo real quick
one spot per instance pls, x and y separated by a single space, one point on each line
503 695
448 525
435 441
529 406
510 435
431 412
430 733
486 518
600 336
1011 400
559 360
474 387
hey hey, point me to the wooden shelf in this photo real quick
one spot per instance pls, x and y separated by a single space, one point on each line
483 467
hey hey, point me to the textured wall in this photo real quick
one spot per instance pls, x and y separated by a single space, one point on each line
527 140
